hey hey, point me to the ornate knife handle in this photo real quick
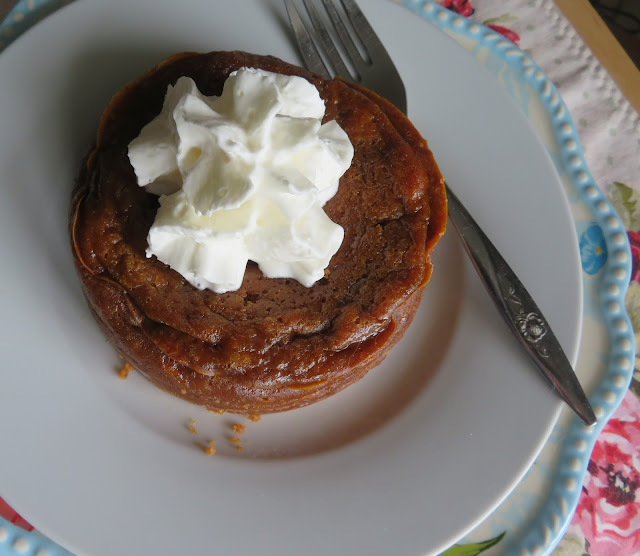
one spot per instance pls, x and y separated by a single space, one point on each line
520 312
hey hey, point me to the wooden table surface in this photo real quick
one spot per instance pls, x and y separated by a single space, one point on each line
607 49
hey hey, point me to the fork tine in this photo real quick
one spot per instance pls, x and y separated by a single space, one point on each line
387 83
327 43
378 73
368 36
310 53
345 37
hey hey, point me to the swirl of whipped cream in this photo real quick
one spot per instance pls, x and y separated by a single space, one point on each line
243 176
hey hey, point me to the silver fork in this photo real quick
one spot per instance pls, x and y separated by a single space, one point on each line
371 66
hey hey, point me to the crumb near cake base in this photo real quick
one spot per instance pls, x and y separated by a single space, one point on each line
124 371
272 345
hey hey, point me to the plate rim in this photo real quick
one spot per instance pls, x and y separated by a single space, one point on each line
448 21
545 530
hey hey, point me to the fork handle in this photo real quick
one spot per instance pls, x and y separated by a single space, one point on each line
520 312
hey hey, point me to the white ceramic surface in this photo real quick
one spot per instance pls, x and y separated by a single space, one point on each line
404 462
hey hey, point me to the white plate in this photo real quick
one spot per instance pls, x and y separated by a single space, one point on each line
406 461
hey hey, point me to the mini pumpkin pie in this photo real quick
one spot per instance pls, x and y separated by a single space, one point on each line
272 344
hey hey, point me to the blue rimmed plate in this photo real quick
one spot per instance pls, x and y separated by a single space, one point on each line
407 461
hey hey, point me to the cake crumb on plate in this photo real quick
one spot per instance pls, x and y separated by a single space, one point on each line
125 370
210 449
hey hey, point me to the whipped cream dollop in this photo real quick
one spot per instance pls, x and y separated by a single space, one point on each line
243 176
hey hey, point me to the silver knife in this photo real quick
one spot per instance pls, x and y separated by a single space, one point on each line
520 312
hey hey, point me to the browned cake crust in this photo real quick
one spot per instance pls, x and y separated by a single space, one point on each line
274 344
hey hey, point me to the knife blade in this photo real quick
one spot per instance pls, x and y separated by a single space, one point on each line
520 312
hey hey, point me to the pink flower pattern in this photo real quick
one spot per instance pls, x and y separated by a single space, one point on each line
506 33
464 8
8 513
634 243
608 512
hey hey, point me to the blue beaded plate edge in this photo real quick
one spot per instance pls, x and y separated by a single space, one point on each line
545 530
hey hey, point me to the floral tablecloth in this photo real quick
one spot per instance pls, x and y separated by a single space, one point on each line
607 518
